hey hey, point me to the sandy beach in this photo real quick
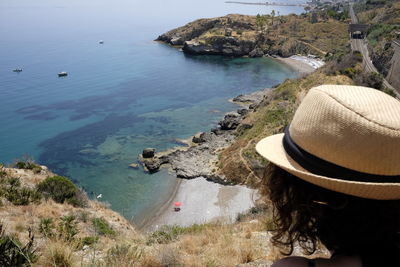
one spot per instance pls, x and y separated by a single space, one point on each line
203 202
301 64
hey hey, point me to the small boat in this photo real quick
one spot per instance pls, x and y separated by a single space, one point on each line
62 74
101 42
17 70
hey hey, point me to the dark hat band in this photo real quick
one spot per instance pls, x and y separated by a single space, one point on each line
322 167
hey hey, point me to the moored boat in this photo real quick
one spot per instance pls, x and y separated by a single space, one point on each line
62 74
17 70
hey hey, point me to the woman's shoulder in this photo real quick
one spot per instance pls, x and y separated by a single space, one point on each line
338 261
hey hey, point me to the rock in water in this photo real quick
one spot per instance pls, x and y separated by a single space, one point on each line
152 165
134 166
148 152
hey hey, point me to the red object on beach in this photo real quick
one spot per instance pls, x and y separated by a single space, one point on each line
178 204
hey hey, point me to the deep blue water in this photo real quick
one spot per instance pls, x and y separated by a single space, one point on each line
119 97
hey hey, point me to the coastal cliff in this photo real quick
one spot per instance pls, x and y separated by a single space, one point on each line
255 36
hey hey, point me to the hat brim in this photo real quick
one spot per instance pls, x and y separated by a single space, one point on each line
272 149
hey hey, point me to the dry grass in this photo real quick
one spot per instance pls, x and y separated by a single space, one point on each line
217 245
57 254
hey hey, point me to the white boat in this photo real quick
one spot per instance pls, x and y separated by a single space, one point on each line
62 74
17 70
101 42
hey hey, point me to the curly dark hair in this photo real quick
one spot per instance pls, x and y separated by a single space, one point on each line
306 214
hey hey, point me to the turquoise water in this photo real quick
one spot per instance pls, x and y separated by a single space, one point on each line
119 97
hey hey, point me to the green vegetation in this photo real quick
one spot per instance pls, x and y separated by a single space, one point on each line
28 164
167 234
13 253
124 254
67 228
3 172
333 13
11 189
46 227
89 240
61 190
102 227
379 31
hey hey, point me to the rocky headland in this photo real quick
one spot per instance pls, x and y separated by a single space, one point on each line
199 158
255 36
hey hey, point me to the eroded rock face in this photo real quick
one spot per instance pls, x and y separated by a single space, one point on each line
220 45
217 36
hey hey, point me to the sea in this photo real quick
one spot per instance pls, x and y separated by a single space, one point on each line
119 97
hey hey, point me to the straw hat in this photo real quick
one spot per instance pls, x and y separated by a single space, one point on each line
343 138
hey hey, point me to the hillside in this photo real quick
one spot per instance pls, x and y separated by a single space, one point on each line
255 36
239 162
384 18
52 214
37 230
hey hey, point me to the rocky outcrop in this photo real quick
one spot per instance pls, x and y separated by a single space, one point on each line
216 36
199 159
202 138
220 45
148 152
230 121
188 32
236 36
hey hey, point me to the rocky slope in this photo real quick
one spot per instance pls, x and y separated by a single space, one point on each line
255 36
60 231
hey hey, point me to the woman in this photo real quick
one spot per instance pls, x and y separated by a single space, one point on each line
335 178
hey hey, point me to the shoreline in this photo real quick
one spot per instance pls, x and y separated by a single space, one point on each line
205 195
204 202
299 66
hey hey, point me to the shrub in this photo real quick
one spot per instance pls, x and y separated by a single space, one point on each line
79 200
59 189
370 79
28 164
67 228
89 240
23 196
3 172
123 255
57 254
13 253
19 196
46 227
167 234
102 227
